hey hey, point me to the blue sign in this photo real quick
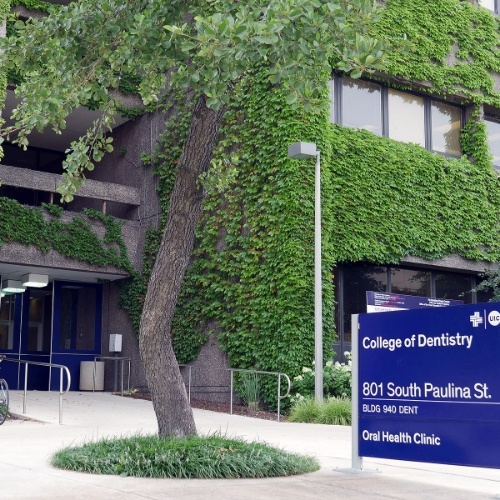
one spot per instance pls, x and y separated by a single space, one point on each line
384 301
429 385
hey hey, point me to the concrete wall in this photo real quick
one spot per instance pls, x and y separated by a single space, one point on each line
116 320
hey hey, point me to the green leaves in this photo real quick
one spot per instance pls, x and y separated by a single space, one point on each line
76 55
42 228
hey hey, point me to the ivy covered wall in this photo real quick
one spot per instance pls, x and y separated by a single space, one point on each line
251 281
252 276
46 229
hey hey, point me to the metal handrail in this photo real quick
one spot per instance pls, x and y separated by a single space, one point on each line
51 365
122 359
280 397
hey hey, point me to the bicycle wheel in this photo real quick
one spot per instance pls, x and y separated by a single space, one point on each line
4 400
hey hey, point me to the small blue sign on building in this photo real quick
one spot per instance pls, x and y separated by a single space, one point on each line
385 301
429 385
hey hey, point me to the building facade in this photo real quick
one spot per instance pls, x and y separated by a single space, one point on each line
80 252
410 205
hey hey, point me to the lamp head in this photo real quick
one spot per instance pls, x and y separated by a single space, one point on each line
302 150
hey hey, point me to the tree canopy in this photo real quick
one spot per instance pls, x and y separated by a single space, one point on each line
78 55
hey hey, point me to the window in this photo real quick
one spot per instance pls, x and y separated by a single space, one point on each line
446 122
356 280
410 282
352 281
490 5
402 116
7 323
454 286
406 117
493 128
78 317
362 105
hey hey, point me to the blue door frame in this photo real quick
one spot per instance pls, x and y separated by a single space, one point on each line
27 346
10 371
72 342
73 303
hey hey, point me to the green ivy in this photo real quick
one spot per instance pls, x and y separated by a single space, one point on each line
130 113
454 46
129 84
163 161
4 8
133 292
35 5
253 271
43 228
396 199
252 276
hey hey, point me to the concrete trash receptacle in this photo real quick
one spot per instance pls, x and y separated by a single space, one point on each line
87 374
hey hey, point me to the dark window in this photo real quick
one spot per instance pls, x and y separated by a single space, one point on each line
40 320
43 160
78 318
7 323
356 281
352 281
453 286
27 196
410 282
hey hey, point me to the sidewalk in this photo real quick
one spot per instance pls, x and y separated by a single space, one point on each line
27 445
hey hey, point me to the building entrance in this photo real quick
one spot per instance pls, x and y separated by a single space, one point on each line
60 323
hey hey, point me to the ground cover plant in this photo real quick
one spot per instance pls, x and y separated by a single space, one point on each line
209 457
333 411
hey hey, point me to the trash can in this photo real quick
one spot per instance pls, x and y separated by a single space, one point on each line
87 376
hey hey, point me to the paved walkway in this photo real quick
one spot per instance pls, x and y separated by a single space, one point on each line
27 445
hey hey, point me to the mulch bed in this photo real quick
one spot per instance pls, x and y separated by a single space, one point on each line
238 409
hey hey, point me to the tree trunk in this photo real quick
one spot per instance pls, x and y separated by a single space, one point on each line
173 412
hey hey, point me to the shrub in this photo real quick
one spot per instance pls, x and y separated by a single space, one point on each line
304 410
249 389
332 411
335 411
193 457
337 378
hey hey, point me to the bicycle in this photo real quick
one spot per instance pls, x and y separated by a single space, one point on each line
4 398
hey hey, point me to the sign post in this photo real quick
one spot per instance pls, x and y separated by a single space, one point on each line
428 385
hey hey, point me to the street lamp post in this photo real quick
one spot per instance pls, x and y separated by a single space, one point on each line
301 151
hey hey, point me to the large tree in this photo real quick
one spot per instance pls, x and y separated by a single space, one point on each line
77 56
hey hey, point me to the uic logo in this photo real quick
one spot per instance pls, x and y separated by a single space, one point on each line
494 318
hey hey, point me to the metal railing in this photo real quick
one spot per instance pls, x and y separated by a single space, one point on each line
278 374
122 360
51 365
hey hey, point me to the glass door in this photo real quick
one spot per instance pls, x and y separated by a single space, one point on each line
77 327
10 332
36 328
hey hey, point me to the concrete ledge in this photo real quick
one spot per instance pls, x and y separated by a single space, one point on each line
43 181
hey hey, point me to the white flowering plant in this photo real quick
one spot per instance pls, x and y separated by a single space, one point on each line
337 379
